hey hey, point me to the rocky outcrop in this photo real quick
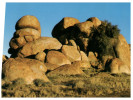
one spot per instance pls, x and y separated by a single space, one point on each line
32 55
28 69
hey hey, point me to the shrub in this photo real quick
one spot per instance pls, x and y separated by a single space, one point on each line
102 39
19 81
39 82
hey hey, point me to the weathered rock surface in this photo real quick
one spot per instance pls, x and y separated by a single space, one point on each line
84 56
28 32
28 21
62 25
85 27
118 66
28 69
71 53
67 69
122 50
16 43
95 21
40 56
13 44
51 66
82 64
27 29
56 57
39 45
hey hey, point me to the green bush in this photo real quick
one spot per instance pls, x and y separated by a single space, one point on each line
102 39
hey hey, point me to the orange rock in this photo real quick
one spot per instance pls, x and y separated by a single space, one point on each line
28 69
56 57
71 53
62 25
39 45
122 50
118 66
95 21
28 21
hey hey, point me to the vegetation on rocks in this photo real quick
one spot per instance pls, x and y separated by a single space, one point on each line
103 39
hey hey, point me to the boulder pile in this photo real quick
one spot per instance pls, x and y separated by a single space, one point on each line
35 57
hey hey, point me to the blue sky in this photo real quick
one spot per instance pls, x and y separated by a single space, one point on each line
49 14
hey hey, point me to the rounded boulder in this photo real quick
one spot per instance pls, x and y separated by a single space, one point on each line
28 69
56 57
28 21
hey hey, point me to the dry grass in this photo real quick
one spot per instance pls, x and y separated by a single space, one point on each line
93 83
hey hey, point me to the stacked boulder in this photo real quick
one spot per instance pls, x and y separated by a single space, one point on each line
82 35
27 29
35 57
79 32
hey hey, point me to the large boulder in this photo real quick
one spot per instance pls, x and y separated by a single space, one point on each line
68 69
39 45
71 53
28 21
28 69
117 66
95 21
56 57
122 50
62 25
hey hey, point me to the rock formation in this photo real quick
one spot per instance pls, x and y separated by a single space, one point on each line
29 69
73 47
118 66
